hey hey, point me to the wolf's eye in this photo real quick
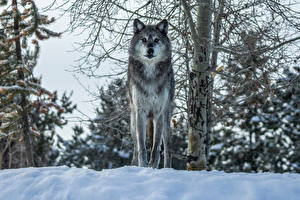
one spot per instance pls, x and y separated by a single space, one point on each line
144 40
156 40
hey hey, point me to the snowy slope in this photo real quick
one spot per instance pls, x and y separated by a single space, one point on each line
134 183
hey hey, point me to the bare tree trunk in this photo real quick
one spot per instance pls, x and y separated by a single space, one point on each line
199 85
9 156
216 37
23 103
214 58
2 152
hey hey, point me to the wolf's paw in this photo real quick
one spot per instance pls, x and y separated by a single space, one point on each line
153 164
143 164
195 164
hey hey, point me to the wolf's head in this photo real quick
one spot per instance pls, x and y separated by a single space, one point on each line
150 43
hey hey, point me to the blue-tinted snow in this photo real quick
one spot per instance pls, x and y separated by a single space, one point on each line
135 183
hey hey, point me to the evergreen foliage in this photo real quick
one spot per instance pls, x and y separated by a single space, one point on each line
262 137
256 136
47 121
108 145
20 92
179 144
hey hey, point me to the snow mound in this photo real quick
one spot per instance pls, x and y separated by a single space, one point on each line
135 183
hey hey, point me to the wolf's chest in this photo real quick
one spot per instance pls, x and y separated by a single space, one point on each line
150 71
151 99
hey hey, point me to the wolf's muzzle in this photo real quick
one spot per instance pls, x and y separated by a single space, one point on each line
150 53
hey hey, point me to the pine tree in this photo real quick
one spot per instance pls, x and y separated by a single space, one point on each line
265 136
108 145
47 121
289 113
20 91
179 144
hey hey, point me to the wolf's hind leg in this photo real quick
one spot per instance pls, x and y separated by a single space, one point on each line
141 138
167 141
157 136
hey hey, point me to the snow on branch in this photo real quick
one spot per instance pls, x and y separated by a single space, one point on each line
15 88
40 88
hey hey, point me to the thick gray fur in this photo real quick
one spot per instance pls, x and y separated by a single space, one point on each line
150 91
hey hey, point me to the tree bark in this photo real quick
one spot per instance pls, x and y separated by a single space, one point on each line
199 85
25 120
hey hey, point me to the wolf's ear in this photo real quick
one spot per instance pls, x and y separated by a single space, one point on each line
163 26
138 26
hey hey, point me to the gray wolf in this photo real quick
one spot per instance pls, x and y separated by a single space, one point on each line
151 91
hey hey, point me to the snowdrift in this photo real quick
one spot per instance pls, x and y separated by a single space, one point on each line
135 183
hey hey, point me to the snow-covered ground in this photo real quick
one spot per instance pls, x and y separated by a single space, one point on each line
135 183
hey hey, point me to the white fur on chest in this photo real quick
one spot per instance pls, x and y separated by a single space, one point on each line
150 70
154 101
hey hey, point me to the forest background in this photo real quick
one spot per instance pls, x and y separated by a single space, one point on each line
261 134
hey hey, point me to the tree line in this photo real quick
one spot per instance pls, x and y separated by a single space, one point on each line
237 84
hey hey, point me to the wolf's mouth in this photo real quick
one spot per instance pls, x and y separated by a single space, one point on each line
149 56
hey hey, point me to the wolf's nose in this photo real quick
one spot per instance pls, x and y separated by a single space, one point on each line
150 51
150 45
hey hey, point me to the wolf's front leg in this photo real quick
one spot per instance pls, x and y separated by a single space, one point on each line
134 160
157 136
141 138
167 142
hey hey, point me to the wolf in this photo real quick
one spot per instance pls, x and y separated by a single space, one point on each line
150 91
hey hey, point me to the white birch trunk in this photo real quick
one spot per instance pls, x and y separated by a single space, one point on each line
199 85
